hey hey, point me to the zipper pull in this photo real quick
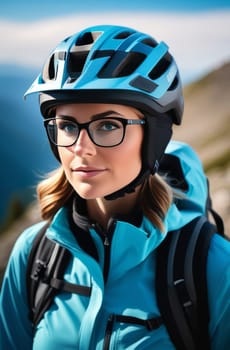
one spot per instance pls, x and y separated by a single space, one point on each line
106 241
111 227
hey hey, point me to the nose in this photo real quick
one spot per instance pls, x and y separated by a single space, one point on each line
84 145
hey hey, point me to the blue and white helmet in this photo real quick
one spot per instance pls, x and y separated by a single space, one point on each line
114 64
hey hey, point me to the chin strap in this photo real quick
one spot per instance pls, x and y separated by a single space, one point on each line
131 187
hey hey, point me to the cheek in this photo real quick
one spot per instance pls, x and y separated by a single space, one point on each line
128 154
65 158
62 155
134 144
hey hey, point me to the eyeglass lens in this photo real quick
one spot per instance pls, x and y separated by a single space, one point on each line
106 132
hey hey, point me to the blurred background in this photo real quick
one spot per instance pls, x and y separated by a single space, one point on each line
198 34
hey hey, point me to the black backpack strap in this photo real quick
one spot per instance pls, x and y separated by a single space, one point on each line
33 272
215 216
46 266
200 278
181 284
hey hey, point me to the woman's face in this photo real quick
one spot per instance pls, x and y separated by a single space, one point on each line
95 171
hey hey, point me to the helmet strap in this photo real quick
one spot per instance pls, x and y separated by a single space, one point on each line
131 187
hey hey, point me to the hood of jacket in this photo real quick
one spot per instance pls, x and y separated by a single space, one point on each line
194 199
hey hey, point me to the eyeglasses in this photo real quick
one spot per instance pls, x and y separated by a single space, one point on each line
103 132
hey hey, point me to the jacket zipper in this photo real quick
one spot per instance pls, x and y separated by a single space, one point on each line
106 237
106 257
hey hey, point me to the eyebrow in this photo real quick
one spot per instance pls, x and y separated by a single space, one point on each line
104 114
94 116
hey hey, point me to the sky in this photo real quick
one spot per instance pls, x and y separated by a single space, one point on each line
197 32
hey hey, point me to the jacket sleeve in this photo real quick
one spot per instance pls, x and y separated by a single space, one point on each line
15 327
218 279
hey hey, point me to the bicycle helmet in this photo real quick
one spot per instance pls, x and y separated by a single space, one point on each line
114 64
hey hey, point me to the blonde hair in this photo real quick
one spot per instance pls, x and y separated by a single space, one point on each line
55 191
156 198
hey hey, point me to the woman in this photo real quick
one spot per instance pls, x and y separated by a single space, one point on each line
109 97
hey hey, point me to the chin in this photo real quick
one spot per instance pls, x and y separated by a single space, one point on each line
91 194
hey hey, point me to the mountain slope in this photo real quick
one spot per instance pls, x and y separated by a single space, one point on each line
24 151
206 122
206 126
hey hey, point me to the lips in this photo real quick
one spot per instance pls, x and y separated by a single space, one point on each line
88 171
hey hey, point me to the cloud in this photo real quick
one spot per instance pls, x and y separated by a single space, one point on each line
199 41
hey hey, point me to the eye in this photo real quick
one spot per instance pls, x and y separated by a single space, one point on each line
107 125
67 126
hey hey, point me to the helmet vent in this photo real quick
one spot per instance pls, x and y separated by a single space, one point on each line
174 83
123 35
87 38
122 64
76 63
161 67
50 68
150 42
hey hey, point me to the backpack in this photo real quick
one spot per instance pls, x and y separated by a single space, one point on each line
180 274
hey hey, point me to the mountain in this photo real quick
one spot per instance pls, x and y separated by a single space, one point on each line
206 121
24 151
206 126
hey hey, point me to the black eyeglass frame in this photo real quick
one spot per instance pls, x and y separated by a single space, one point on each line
85 126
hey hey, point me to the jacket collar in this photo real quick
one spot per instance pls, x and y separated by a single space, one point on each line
130 244
80 216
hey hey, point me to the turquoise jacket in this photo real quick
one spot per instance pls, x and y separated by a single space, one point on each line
81 322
